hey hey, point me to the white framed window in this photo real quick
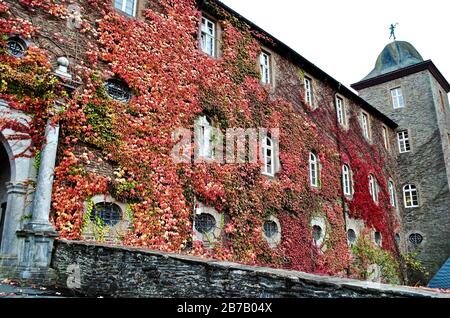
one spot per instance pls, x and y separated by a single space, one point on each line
208 37
127 6
392 196
373 188
411 196
340 110
264 64
314 170
308 90
268 157
385 137
365 125
205 150
397 98
346 180
403 141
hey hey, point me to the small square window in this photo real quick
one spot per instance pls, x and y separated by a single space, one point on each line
403 142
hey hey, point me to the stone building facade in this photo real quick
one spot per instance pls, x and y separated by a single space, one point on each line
356 131
413 93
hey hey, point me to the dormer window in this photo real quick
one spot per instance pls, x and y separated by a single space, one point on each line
208 37
126 6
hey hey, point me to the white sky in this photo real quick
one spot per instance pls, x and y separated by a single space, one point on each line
345 37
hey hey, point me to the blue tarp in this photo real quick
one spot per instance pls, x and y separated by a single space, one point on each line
442 278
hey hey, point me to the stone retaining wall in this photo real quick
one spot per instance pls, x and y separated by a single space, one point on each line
101 270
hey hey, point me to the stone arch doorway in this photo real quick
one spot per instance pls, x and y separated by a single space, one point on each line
5 178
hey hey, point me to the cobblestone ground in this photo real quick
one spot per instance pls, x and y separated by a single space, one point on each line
10 289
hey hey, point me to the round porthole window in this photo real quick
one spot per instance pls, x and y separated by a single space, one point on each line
16 47
416 238
351 236
270 229
109 213
118 90
204 223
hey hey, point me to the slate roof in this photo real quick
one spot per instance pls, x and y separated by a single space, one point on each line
395 56
442 278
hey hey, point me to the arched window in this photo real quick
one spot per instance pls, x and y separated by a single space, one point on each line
373 188
392 193
346 180
314 169
118 90
410 196
351 236
340 110
270 228
205 138
264 61
268 157
16 47
378 238
317 234
109 213
204 223
397 239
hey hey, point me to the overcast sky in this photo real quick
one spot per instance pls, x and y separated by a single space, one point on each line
345 37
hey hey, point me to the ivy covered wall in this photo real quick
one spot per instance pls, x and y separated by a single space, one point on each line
173 83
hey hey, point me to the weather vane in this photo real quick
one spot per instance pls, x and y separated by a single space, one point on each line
392 28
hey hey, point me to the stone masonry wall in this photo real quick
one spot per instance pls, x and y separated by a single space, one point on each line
127 272
425 165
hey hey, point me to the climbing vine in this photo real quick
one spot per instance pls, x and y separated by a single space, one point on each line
173 83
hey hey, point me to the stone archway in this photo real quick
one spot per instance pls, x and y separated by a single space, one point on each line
5 178
14 181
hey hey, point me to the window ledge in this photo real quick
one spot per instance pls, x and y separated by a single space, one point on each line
124 14
271 176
